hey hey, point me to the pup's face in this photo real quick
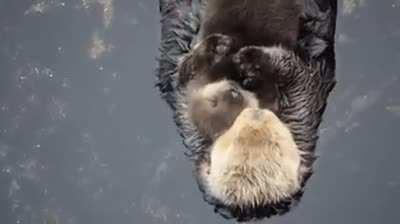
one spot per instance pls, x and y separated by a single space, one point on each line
254 160
214 107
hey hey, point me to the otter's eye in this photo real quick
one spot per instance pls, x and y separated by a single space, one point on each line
213 102
235 94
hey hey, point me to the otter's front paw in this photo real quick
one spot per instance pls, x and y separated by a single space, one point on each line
215 47
253 64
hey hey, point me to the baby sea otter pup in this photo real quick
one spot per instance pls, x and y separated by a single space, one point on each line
254 160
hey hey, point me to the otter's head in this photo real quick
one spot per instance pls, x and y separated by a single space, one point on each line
214 107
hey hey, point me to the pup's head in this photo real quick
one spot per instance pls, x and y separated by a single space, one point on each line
214 107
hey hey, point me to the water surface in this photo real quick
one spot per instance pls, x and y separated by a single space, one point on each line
86 139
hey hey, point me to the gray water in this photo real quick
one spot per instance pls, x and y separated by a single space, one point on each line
86 139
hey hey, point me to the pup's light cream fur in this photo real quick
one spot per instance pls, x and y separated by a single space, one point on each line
255 162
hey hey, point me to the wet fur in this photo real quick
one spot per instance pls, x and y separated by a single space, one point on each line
254 22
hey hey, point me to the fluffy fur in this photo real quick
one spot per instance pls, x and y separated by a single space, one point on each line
254 163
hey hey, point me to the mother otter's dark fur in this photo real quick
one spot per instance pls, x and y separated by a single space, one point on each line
254 22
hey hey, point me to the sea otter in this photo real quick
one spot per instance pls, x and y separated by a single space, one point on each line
233 93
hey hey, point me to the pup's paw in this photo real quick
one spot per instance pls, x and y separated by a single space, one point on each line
252 63
256 63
